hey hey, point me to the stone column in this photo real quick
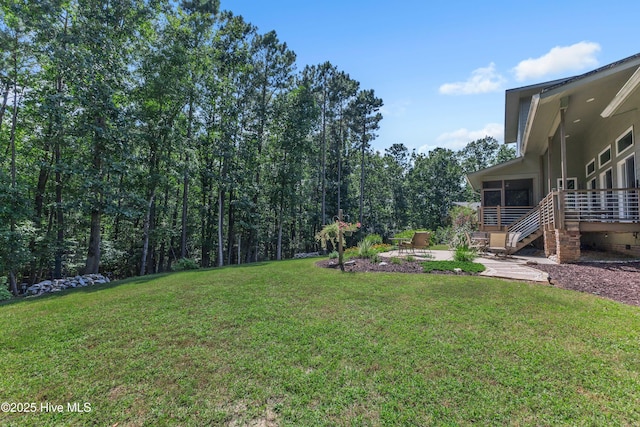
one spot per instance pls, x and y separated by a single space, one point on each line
568 245
549 242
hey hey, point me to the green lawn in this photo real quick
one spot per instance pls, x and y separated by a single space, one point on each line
286 343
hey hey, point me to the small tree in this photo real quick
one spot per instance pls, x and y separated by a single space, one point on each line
463 220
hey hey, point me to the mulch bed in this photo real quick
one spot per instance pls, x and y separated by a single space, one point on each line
619 281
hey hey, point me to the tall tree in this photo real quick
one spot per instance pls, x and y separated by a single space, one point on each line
320 77
434 182
273 65
366 120
397 165
105 36
342 92
289 148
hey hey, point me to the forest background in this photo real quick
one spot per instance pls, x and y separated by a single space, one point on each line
138 135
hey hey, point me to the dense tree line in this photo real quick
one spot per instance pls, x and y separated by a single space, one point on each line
136 134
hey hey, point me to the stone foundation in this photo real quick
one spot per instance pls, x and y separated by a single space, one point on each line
567 245
549 242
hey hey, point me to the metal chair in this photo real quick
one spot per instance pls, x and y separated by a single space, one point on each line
420 240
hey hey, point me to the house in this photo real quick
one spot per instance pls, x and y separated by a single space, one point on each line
575 181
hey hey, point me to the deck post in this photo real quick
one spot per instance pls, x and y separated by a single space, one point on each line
564 103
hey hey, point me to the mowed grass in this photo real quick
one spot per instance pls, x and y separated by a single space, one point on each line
287 343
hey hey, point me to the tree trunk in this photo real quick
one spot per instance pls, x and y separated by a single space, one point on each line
93 254
163 244
364 146
185 201
324 160
145 237
220 227
279 248
173 242
13 284
5 97
185 184
230 227
59 247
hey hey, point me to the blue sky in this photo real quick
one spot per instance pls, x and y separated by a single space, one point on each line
442 68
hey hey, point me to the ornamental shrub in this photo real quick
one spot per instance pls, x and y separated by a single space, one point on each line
464 254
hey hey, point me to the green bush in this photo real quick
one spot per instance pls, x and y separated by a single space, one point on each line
374 239
442 236
467 267
333 255
464 254
185 264
365 249
4 292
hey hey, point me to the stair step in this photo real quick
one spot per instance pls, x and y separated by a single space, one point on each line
530 238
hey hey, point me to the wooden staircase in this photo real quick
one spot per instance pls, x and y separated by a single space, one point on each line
528 225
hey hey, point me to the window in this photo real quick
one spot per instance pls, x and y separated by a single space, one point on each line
492 184
594 197
605 156
606 179
510 192
572 183
518 192
627 172
591 167
625 141
492 198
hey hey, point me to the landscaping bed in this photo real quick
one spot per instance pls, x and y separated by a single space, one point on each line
388 266
619 281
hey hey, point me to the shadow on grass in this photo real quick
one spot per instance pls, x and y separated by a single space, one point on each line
138 280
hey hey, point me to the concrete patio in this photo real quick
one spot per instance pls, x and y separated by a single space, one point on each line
513 267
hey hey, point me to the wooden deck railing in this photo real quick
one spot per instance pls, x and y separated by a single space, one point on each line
501 216
548 209
598 206
606 205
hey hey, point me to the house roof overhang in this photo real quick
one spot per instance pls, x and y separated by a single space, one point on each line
513 98
586 98
475 178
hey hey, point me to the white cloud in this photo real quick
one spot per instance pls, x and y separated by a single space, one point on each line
482 80
458 139
560 59
395 109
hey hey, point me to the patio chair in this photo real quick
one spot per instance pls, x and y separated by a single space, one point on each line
498 243
477 240
420 240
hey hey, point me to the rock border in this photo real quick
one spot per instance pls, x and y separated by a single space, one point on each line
57 285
